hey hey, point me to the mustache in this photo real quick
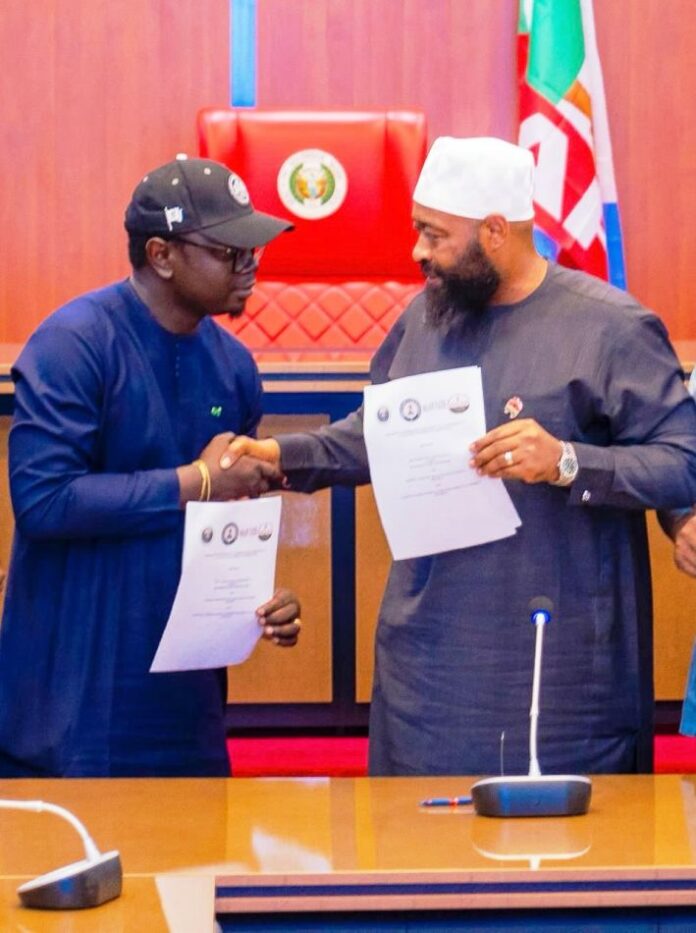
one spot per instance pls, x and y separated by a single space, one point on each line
427 268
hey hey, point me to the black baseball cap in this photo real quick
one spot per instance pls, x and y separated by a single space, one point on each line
199 195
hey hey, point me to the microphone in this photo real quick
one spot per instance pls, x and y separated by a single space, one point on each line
92 881
534 794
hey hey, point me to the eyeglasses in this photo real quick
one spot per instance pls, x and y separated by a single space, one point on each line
242 259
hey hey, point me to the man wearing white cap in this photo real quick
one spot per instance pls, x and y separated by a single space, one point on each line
590 425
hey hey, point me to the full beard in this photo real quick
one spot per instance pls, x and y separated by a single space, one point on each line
462 292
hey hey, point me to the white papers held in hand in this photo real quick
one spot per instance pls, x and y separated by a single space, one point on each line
417 431
228 570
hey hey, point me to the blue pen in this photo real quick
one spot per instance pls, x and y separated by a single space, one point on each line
446 801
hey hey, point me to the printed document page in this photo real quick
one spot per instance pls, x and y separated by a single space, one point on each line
417 431
228 571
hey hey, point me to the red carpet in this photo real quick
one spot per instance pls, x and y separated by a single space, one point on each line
284 757
347 757
675 754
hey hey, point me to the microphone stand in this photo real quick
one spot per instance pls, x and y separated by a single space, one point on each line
87 883
540 619
534 794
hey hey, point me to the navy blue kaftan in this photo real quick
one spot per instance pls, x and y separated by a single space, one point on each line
454 649
107 405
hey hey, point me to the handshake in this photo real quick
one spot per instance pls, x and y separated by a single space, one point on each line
231 467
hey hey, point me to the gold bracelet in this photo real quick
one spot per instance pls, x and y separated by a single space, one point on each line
206 482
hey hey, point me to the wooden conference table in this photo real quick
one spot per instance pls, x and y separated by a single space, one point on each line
265 853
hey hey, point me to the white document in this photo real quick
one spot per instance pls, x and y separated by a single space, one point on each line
417 431
228 571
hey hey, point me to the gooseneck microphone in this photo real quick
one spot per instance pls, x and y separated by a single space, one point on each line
534 794
540 609
92 881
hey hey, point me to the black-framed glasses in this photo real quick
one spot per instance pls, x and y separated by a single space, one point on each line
241 259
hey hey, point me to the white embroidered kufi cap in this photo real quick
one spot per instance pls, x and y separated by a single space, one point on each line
476 177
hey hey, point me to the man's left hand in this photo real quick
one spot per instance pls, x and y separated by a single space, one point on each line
685 545
280 618
519 450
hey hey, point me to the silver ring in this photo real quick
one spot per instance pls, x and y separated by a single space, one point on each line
507 457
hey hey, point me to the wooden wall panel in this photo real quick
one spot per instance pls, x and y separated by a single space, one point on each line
674 599
372 563
94 93
453 59
302 674
648 49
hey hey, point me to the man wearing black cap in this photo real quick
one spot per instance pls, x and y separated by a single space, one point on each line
125 398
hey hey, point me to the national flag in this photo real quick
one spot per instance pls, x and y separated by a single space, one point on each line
563 120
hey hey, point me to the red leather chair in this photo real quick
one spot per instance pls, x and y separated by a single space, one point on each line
334 286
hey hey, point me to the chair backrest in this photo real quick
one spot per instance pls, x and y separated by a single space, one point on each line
345 178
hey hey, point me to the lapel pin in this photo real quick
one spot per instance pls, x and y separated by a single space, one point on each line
513 406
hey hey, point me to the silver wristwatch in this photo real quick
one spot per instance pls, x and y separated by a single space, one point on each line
567 465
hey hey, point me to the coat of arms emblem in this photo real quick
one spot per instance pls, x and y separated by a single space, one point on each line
312 184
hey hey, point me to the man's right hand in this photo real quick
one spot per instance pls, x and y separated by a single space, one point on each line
246 477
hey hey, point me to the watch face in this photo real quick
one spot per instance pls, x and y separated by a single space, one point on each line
568 466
